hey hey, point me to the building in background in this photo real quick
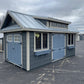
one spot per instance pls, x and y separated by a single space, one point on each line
33 41
80 35
77 37
1 39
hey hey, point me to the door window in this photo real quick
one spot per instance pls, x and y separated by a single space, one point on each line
9 38
17 38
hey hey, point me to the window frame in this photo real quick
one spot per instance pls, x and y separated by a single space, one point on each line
35 40
20 39
11 38
70 40
44 40
42 49
58 25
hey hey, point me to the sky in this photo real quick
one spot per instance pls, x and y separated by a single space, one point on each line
69 10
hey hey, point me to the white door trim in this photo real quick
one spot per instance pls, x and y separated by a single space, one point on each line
52 46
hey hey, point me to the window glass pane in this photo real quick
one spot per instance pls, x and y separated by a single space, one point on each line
71 38
44 40
17 38
68 39
9 38
38 40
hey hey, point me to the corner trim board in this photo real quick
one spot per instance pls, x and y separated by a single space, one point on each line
28 51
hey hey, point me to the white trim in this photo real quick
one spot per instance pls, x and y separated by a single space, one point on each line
47 23
34 42
6 40
48 41
42 49
65 44
41 42
28 50
52 46
21 53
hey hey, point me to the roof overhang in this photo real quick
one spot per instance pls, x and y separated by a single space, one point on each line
36 30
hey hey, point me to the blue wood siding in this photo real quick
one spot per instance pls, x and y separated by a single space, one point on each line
24 47
36 61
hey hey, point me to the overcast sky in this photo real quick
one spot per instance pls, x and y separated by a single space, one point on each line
70 10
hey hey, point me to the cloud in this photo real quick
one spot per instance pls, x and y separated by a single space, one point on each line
71 10
1 14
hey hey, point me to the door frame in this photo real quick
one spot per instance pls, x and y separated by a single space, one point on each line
52 46
7 49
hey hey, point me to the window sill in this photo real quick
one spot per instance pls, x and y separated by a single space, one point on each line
39 53
70 47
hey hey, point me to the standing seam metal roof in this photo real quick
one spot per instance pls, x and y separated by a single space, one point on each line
28 22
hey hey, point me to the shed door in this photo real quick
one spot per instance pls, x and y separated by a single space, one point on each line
14 48
58 46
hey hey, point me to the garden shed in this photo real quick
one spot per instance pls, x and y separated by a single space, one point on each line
33 41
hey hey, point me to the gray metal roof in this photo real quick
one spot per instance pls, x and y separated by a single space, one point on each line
52 19
29 23
26 21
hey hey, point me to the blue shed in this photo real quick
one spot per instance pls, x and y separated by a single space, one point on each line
33 41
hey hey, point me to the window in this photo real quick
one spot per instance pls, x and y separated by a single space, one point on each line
53 24
70 39
17 38
44 40
9 38
56 24
41 41
38 40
